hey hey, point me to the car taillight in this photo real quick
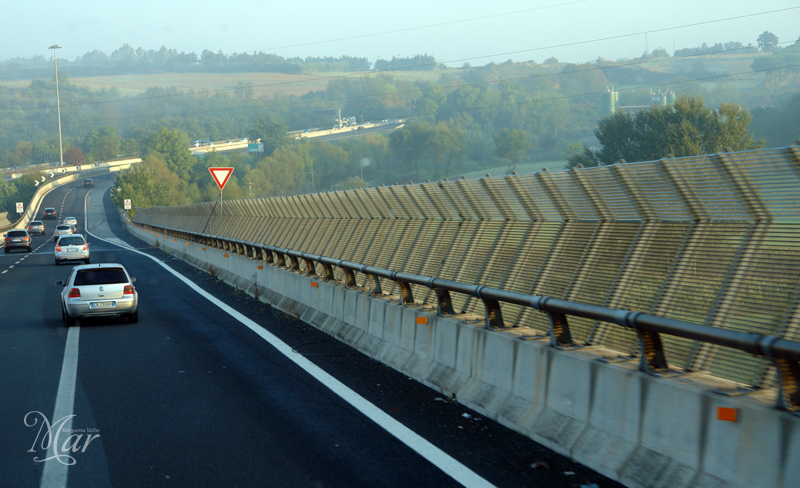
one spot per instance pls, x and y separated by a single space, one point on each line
26 238
8 239
85 247
74 293
58 247
128 290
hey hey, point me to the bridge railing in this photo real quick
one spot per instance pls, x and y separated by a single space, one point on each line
785 354
711 240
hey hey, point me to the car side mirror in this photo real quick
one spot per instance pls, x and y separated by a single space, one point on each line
133 279
60 283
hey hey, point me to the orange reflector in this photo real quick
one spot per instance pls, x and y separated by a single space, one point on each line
176 240
224 255
422 320
203 248
187 243
314 284
728 414
260 267
158 234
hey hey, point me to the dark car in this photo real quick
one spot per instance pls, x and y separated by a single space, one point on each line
88 183
49 213
18 239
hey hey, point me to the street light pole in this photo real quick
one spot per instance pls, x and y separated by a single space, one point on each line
58 108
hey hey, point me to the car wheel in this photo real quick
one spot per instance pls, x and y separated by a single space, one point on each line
134 317
6 250
86 260
57 262
30 248
69 319
63 315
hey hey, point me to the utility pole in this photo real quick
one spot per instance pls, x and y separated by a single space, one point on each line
312 180
58 107
249 189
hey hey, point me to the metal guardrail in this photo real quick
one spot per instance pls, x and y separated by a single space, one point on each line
653 360
712 240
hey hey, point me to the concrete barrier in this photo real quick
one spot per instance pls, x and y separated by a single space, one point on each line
587 403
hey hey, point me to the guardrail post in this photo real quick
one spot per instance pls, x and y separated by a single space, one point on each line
295 263
328 270
494 315
560 334
788 384
375 285
444 302
310 269
406 295
270 256
281 260
349 278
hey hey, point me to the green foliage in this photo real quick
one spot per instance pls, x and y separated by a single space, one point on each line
172 147
272 132
409 143
767 41
688 128
510 144
144 185
580 155
778 125
102 144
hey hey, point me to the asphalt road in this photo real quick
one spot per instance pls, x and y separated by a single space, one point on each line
189 396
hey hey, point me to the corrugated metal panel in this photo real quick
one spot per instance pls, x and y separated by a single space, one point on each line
710 239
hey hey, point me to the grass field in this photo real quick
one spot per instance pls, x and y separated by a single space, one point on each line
521 169
263 84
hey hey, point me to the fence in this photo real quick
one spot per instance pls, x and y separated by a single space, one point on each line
710 240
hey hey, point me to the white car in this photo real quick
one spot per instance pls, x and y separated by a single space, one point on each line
71 221
71 247
98 290
61 230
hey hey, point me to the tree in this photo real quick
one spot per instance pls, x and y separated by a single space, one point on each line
767 42
74 155
688 128
172 147
409 143
510 144
444 140
102 144
272 132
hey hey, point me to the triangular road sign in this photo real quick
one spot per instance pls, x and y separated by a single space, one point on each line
221 176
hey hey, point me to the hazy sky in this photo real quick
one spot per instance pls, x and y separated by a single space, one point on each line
454 31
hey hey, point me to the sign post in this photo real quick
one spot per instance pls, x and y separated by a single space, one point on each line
221 176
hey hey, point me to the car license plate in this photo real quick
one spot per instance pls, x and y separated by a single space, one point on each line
17 240
72 249
101 304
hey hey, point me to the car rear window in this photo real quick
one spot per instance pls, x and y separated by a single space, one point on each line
36 222
70 241
17 233
63 227
100 276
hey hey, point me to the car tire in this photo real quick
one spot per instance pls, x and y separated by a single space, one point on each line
58 263
6 250
69 319
30 248
63 315
86 261
134 317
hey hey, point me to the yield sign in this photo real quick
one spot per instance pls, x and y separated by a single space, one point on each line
221 176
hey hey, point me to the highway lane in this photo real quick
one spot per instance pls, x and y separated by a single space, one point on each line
191 397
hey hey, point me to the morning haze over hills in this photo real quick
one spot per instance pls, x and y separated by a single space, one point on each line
466 120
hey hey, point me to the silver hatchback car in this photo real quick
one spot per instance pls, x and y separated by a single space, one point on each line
61 230
71 248
98 290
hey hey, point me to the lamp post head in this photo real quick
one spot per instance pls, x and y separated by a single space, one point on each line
54 46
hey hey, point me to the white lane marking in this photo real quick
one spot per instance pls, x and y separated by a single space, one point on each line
419 444
55 472
4 271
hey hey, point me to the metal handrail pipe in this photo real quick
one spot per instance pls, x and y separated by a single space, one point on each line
383 273
750 342
453 286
